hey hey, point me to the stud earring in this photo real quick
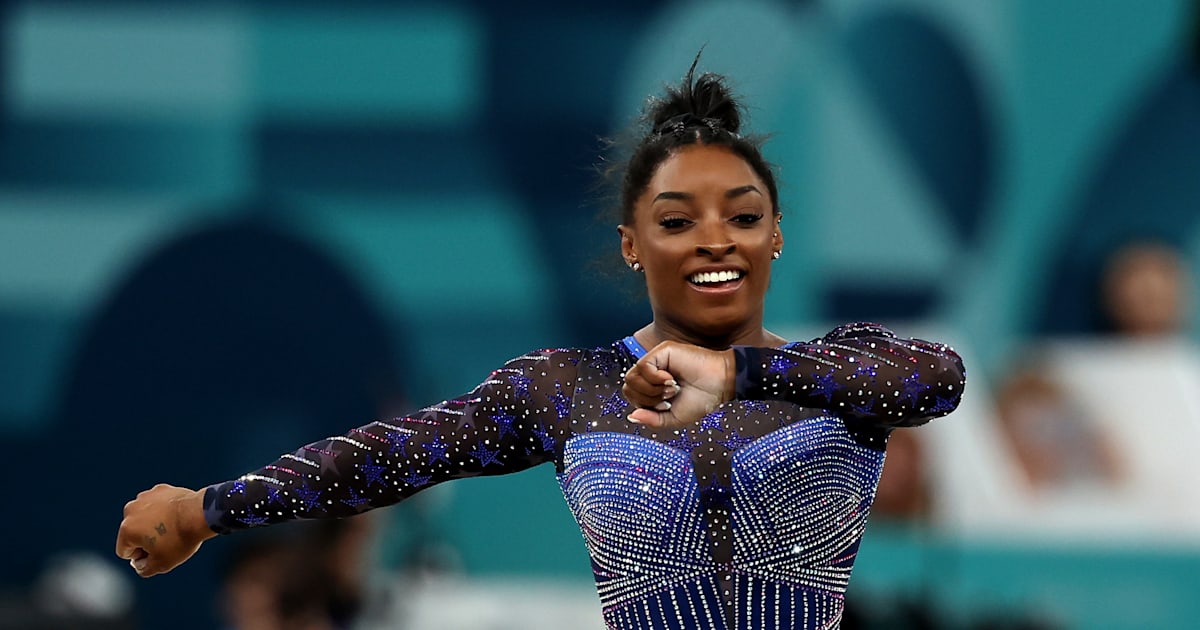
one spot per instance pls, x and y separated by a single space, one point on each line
636 266
776 255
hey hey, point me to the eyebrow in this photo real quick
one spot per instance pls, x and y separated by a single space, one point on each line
729 194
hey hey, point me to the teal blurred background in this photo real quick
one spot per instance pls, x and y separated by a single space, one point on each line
230 228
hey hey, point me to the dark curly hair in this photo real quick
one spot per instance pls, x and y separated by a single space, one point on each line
700 110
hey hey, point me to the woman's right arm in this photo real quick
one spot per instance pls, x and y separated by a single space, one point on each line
162 528
513 420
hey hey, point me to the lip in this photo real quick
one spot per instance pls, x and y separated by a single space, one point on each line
721 290
717 290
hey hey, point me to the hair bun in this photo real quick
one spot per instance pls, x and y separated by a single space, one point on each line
702 101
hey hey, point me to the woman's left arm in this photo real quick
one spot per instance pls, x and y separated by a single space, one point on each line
857 371
860 371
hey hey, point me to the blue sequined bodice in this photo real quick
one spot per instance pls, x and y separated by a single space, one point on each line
749 518
798 502
638 505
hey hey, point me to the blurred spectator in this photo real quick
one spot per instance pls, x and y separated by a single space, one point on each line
1055 445
903 492
252 587
310 580
1145 290
1092 436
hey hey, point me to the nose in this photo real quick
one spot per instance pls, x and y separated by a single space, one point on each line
715 241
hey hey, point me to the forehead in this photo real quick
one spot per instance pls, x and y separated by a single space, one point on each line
700 169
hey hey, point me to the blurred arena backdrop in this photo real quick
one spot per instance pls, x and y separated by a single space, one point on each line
229 228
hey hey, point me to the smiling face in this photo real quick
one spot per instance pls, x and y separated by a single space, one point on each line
704 231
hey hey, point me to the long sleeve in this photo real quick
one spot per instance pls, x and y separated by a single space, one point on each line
515 419
859 371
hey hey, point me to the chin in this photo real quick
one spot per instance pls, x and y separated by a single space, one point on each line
718 325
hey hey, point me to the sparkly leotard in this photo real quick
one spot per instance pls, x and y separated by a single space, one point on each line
751 518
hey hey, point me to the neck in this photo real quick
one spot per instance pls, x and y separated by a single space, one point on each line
754 334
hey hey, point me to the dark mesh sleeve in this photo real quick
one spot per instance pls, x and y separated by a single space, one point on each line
859 371
515 419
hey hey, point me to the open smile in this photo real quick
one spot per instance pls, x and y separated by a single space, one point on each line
716 281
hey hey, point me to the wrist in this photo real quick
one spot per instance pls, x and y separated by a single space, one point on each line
748 369
189 516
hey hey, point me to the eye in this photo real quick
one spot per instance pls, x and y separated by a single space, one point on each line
672 223
748 218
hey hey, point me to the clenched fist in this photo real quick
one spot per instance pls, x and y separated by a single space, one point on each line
162 528
677 384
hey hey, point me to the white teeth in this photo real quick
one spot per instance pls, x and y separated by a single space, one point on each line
715 276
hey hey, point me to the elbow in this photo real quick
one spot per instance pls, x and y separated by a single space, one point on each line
952 380
944 390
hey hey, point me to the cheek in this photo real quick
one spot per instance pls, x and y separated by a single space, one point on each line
665 254
760 247
662 279
760 236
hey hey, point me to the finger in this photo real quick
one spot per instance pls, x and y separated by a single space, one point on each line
638 398
660 356
654 382
150 566
648 417
126 542
139 560
661 378
641 393
656 369
654 374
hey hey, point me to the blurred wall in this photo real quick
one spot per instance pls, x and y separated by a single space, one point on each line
226 228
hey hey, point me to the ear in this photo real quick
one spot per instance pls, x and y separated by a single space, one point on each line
628 251
777 237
